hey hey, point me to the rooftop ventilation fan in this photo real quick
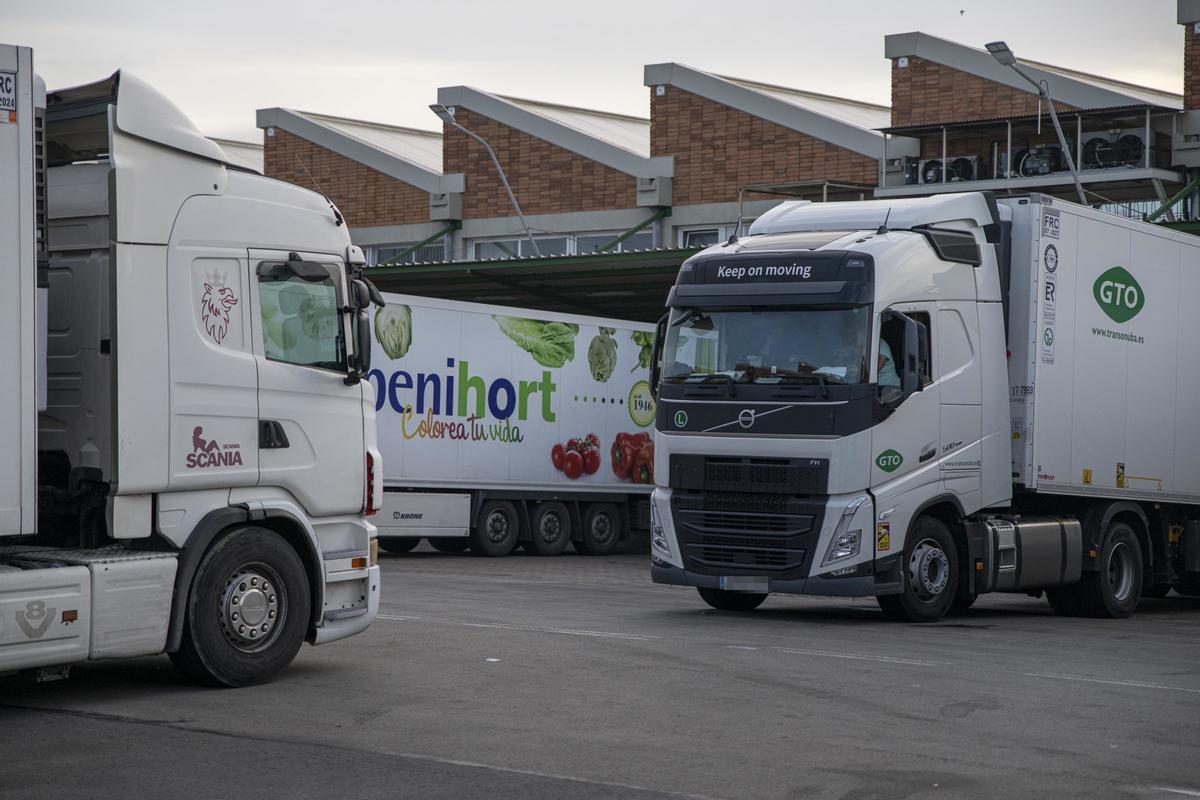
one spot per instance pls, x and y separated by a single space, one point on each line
1101 152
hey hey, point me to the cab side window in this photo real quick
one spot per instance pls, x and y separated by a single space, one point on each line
301 319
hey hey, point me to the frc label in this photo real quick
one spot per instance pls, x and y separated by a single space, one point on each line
8 97
1050 223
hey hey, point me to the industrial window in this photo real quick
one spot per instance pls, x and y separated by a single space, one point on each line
592 242
389 254
521 248
701 238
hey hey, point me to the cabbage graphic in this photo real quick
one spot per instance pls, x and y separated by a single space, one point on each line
602 355
393 329
318 318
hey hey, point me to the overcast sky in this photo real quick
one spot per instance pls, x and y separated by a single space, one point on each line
384 61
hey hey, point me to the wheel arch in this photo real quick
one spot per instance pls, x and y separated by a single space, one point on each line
947 509
1096 523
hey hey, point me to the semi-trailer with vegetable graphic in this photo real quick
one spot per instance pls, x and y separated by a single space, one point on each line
503 426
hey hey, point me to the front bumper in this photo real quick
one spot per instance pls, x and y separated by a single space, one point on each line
340 623
849 586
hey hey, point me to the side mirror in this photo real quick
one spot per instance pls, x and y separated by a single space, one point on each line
360 362
360 295
660 332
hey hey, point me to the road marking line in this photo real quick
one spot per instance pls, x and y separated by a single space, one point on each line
1184 792
858 657
1131 684
740 647
530 628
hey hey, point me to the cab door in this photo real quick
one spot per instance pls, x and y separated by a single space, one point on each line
310 417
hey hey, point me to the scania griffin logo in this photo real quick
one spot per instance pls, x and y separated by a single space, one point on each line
746 418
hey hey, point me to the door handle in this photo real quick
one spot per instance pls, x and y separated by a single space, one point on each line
271 435
928 454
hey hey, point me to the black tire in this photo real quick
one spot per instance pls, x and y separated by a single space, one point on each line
250 568
496 529
399 544
961 604
725 600
449 544
550 528
931 575
601 530
1113 589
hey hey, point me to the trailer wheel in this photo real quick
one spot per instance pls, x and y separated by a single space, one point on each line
449 544
726 600
1112 590
601 530
550 528
930 575
399 544
496 529
247 610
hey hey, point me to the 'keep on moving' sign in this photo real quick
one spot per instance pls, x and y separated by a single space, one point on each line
770 270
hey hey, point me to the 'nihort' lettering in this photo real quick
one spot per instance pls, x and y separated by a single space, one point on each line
461 394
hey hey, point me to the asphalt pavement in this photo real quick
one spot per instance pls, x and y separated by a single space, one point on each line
575 677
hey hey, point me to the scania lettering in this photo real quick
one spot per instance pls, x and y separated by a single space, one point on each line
187 444
959 395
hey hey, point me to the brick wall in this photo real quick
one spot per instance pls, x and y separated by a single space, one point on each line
1191 67
928 93
366 197
719 149
546 178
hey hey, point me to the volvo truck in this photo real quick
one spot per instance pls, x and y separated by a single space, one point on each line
924 400
506 427
187 444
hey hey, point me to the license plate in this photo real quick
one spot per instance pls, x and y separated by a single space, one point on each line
744 583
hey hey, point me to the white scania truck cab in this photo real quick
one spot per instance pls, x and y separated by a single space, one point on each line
187 447
925 400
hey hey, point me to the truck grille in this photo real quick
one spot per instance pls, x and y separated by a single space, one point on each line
718 474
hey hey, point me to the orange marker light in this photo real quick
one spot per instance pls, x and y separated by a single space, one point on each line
358 563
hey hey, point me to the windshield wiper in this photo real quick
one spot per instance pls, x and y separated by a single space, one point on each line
704 376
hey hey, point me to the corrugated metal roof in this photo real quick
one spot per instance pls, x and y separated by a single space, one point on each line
244 154
850 112
627 132
420 147
1141 94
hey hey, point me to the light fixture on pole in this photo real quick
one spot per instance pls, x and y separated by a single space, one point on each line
1001 52
447 116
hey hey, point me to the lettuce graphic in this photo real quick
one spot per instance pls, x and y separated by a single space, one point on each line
602 354
393 329
551 344
644 340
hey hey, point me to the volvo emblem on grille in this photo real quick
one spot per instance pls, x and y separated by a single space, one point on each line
746 418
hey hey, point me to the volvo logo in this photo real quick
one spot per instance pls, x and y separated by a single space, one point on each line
746 418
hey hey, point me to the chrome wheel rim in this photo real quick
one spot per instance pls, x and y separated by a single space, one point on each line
928 569
252 607
1120 571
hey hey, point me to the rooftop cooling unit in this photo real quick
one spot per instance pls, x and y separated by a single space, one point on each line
1110 149
960 168
1037 161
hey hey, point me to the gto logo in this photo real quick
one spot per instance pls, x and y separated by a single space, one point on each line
889 460
1118 294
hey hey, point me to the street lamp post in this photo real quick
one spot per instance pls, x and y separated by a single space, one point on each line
445 115
1001 52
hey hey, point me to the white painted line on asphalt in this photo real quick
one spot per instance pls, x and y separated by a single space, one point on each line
740 647
1184 792
529 628
915 662
1131 684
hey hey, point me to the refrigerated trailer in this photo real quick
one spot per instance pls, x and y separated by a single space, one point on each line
501 426
926 400
187 447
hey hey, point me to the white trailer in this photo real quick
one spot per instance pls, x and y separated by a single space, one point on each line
925 400
478 408
187 448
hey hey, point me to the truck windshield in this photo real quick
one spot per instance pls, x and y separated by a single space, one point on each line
768 346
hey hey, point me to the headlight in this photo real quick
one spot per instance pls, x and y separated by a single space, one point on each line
845 542
658 536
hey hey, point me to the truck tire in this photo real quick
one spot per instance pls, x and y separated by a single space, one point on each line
550 528
252 575
1113 589
399 544
601 530
449 544
496 530
725 600
930 575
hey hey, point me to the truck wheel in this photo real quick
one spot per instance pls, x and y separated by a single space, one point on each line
247 611
449 544
601 530
931 576
550 528
496 530
1113 589
725 600
399 544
